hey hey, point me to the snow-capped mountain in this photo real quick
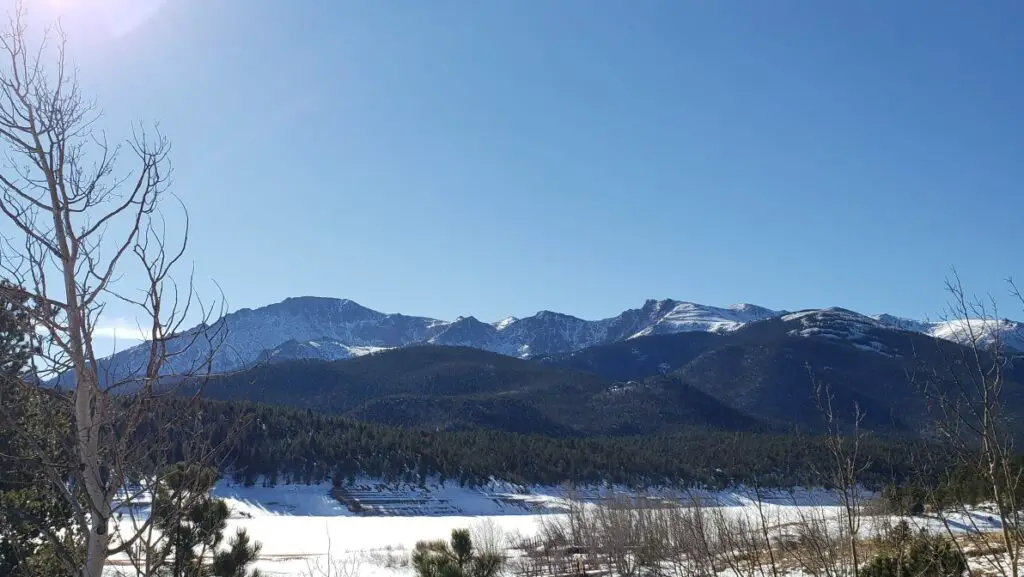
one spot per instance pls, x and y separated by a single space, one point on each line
332 329
985 332
840 324
347 329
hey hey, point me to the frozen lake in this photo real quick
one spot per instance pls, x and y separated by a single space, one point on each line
303 527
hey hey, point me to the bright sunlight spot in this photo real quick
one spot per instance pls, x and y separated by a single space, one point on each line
111 18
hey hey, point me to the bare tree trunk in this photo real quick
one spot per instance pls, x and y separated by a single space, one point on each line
62 193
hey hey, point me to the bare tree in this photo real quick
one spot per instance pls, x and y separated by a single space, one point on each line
331 565
702 543
966 389
683 546
845 468
741 544
489 537
764 526
78 223
820 545
616 533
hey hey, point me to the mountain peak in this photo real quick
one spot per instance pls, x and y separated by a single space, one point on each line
505 322
656 305
754 310
552 315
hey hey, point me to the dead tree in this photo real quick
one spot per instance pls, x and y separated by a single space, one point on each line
701 543
845 468
82 216
765 526
966 388
819 546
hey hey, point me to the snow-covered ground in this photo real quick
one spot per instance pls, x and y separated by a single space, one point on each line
304 527
300 525
367 498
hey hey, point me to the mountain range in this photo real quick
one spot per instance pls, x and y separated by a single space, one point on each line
758 376
333 329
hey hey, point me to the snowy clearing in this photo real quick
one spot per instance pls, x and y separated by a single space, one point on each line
303 527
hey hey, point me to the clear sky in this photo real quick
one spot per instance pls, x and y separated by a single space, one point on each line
493 158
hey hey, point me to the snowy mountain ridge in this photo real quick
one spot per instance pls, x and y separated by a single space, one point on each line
333 329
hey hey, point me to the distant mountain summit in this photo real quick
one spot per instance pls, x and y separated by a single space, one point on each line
333 329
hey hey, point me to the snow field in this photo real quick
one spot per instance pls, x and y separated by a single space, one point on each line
306 531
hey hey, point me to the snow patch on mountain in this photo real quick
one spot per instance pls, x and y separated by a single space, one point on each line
985 331
903 324
844 324
839 324
505 322
320 349
681 317
835 323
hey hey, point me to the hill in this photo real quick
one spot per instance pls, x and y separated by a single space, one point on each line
460 388
769 369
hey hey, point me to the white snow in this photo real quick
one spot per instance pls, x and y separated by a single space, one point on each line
963 331
360 351
376 498
839 324
505 322
984 331
677 317
322 349
300 525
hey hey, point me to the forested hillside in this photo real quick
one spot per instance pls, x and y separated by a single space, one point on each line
760 377
459 388
288 445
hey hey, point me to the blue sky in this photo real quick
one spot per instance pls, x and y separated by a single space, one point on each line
494 158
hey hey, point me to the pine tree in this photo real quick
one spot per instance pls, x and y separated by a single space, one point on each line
193 524
240 554
457 559
29 423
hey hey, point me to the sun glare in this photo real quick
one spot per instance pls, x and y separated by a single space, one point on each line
113 17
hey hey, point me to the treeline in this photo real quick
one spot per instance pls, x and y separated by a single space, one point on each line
262 443
460 388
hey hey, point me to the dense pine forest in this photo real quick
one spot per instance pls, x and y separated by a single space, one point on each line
262 443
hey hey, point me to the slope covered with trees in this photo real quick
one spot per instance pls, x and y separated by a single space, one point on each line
289 445
760 377
459 388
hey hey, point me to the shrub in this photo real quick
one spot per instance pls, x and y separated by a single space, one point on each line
920 555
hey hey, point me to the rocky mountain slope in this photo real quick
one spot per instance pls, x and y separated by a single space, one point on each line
333 329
